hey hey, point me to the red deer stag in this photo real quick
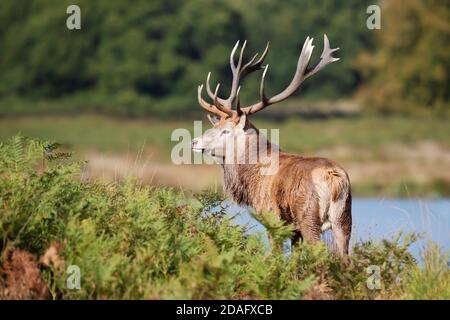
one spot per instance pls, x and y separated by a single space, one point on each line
313 193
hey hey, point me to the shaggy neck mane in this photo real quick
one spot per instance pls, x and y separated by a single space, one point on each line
241 182
244 181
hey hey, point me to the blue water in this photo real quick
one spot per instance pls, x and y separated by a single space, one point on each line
376 219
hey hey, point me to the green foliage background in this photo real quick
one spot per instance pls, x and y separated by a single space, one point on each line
147 57
409 70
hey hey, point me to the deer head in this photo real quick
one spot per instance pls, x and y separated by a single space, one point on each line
231 125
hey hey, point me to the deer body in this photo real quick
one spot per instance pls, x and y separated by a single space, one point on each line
312 193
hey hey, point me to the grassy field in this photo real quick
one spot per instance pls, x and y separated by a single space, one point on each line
62 238
389 156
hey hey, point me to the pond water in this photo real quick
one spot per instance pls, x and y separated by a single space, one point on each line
376 218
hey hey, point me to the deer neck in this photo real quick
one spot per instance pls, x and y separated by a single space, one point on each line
244 179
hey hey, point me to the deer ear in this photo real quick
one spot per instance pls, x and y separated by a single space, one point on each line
213 118
242 121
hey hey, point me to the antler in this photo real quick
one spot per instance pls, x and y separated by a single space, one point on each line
299 76
239 71
215 108
223 107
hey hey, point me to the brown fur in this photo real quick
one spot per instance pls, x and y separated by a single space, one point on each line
292 193
20 277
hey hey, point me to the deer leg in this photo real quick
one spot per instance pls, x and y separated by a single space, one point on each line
342 239
312 236
296 239
341 226
310 228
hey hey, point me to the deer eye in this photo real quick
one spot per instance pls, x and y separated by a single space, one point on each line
226 131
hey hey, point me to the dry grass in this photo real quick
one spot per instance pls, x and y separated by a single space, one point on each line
421 163
385 156
113 167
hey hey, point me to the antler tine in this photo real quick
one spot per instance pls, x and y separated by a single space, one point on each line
216 103
263 56
239 71
325 57
241 56
205 105
261 87
253 66
252 60
210 93
299 75
214 109
208 88
238 102
233 67
235 70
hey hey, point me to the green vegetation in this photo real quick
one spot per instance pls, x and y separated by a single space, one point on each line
409 69
131 241
148 58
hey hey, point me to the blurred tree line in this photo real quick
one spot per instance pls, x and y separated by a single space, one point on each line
147 57
409 70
